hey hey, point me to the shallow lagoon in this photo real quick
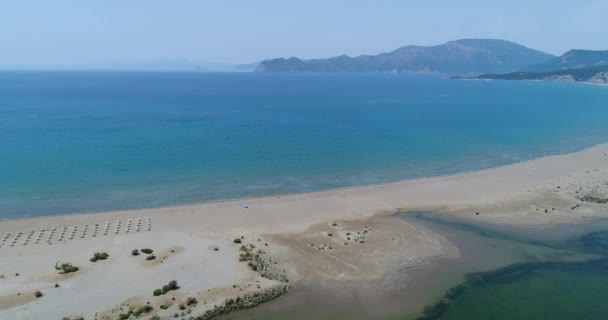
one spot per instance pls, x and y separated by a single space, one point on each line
552 291
569 284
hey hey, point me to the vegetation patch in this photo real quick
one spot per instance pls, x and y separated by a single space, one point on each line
191 301
172 285
594 199
245 301
99 256
145 309
135 312
147 251
65 268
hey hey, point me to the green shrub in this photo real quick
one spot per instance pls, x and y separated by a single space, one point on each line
99 256
125 316
172 285
142 310
65 268
147 251
593 198
191 301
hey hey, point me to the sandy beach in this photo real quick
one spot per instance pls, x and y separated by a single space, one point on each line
283 240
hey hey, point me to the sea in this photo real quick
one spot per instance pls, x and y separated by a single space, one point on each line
74 142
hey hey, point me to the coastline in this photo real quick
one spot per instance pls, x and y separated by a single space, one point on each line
339 235
568 163
245 199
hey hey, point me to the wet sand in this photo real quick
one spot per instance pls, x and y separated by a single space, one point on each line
476 247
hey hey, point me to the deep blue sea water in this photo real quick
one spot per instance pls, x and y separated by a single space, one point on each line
95 141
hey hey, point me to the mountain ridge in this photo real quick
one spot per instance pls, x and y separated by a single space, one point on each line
595 74
573 66
573 59
458 56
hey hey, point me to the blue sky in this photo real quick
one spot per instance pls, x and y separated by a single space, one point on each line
59 33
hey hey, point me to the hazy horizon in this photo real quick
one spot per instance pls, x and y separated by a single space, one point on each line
193 34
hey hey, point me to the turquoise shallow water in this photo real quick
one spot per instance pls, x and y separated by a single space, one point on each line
94 141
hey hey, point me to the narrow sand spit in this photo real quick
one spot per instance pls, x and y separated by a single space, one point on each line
337 234
296 212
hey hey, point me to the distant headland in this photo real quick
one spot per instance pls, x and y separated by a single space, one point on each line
573 66
465 56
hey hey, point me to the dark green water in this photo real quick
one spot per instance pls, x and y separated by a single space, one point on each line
541 292
534 290
501 273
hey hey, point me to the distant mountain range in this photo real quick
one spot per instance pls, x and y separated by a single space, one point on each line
574 65
573 59
456 57
179 65
597 74
153 65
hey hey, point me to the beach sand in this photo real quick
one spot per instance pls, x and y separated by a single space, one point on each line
331 235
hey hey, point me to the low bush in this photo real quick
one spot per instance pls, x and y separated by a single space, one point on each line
125 316
99 256
66 268
142 310
191 301
172 285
